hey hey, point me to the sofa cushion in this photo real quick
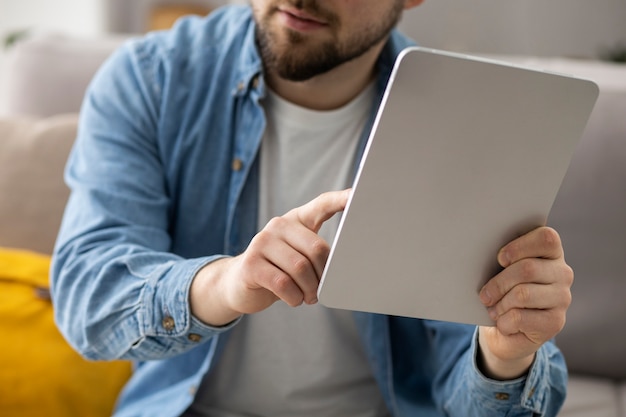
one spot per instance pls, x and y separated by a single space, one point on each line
40 374
33 153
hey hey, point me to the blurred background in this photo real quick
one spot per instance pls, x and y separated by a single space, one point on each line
571 28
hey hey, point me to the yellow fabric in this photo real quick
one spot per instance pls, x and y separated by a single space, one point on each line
40 374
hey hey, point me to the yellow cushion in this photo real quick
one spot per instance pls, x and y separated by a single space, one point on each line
40 374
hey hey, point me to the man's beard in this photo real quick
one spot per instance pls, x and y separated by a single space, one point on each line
299 59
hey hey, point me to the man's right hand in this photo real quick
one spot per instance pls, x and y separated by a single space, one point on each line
284 261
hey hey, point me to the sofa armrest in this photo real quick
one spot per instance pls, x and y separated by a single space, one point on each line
33 194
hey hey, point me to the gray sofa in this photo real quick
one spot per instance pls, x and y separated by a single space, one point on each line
45 76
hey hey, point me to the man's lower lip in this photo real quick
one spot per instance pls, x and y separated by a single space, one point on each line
298 24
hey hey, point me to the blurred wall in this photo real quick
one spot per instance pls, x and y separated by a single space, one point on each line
579 28
130 16
71 16
83 17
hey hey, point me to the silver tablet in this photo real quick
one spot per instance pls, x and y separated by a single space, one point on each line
465 155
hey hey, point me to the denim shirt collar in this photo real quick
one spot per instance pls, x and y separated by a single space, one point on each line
249 70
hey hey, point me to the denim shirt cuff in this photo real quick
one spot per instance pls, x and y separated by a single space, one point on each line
169 327
518 396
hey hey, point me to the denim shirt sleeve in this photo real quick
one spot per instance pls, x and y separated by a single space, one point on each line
540 393
118 291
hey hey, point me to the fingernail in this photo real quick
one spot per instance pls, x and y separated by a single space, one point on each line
485 297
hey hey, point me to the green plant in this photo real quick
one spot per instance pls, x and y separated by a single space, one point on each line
14 37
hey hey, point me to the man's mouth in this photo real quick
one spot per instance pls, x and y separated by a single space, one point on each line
300 20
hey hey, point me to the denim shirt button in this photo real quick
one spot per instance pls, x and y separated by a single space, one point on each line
237 164
502 396
168 323
194 337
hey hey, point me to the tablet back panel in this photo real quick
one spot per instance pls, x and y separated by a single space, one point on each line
465 155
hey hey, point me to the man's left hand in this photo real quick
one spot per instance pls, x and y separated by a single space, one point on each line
528 301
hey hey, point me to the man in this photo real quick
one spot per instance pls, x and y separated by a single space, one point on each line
194 237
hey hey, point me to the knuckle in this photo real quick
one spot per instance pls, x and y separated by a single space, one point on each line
301 265
276 223
261 239
510 322
281 283
568 274
497 290
522 295
316 205
285 289
528 268
516 317
320 248
555 323
568 298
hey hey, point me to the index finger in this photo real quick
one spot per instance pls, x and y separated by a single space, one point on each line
314 213
542 242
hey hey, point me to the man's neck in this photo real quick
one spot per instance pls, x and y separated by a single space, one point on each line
332 89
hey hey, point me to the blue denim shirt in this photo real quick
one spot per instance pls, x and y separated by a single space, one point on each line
164 180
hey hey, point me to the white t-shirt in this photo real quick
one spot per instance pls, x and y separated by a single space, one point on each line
304 361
